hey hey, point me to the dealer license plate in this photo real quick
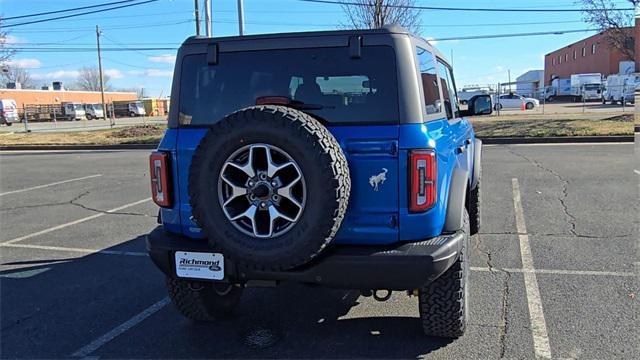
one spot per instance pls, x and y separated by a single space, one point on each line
200 265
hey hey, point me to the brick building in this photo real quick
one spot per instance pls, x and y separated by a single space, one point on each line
591 55
30 97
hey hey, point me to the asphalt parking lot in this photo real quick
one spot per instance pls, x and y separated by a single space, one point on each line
554 269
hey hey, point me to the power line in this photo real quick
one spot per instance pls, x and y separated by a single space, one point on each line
139 26
440 8
124 47
168 67
477 37
67 10
93 18
79 14
86 49
268 23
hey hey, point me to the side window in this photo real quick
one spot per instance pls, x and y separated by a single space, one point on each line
448 90
429 79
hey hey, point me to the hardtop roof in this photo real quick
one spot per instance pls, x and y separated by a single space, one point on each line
386 30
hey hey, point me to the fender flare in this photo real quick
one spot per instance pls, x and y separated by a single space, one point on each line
477 163
456 200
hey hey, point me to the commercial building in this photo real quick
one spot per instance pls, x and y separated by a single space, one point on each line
530 83
591 55
41 97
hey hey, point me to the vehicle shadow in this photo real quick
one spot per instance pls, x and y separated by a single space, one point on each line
52 304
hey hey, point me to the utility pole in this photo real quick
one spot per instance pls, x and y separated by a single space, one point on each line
240 17
197 14
452 58
509 75
207 16
104 109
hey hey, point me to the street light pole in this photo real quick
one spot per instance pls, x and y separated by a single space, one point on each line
104 109
207 16
240 17
197 14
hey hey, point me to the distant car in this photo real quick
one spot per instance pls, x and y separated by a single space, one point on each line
515 101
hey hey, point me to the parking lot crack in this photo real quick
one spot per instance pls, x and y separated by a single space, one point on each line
58 203
504 318
75 202
504 306
480 247
565 188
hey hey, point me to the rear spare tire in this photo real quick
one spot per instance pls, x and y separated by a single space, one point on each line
269 186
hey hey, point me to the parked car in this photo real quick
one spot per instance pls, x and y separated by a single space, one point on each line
8 112
272 170
515 101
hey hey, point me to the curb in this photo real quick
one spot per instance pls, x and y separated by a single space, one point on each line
557 140
82 147
490 140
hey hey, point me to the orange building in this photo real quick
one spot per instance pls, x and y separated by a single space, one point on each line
41 97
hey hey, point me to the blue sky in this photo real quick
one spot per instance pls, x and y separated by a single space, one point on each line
167 23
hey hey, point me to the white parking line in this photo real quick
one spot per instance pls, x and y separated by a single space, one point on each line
75 222
80 250
637 171
541 345
559 271
102 340
51 184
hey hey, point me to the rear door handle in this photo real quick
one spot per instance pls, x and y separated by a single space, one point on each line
460 149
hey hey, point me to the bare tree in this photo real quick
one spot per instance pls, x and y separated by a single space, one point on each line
374 14
616 24
138 90
5 53
17 74
89 79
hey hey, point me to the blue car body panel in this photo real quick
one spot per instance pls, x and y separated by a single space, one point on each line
375 216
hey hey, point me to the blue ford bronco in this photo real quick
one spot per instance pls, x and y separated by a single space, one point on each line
337 158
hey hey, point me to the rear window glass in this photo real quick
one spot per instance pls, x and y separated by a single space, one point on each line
338 88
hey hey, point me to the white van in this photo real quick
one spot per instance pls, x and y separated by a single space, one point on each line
93 111
621 88
8 112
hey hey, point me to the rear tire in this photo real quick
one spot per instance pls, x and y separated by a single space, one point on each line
443 304
9 124
529 106
203 301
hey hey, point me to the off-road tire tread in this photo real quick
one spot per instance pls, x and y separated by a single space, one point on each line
203 305
442 302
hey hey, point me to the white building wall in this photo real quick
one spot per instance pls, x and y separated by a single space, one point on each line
530 82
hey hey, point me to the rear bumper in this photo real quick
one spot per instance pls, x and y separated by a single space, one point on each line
403 266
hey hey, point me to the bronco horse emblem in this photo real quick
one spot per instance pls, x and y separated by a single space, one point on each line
376 180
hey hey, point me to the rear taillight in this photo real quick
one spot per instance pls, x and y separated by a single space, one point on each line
160 182
422 165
